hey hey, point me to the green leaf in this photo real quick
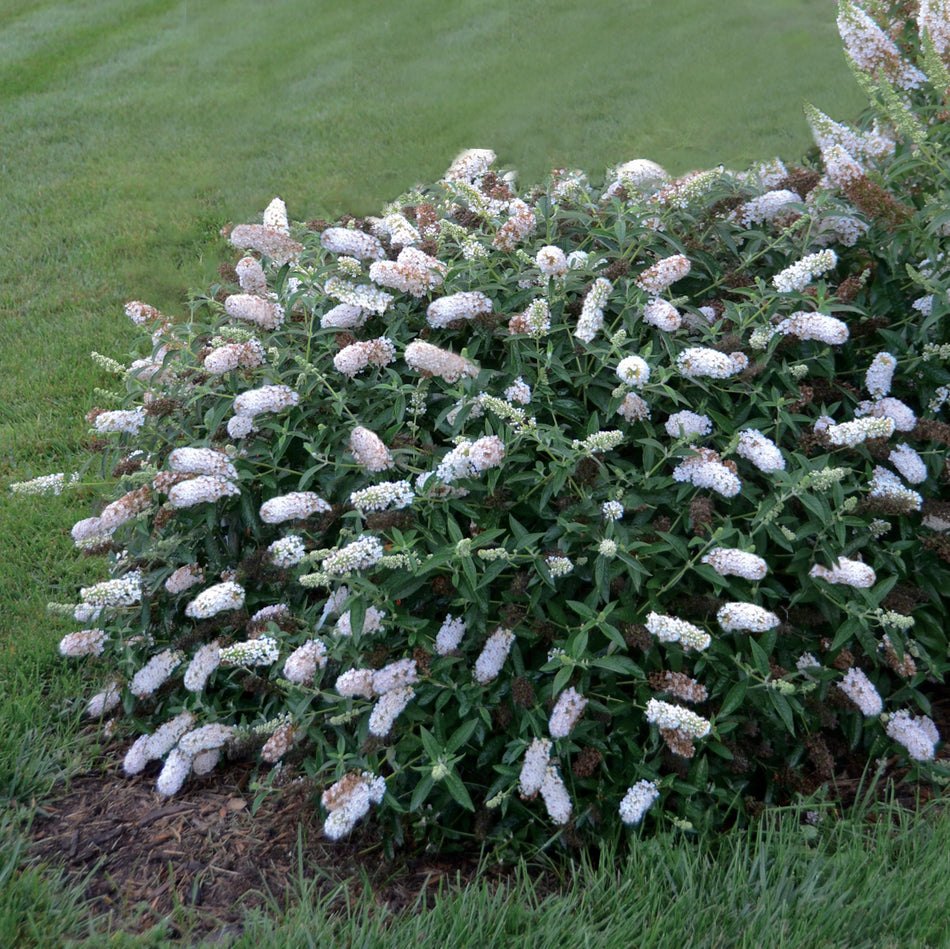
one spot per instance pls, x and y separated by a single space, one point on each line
622 664
734 698
780 703
421 792
458 790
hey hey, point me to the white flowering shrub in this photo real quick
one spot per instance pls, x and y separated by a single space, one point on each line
507 514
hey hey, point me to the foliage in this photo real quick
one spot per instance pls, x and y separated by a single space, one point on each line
582 409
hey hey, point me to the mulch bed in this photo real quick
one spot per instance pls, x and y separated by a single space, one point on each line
203 855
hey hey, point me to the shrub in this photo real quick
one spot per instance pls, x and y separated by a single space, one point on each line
516 513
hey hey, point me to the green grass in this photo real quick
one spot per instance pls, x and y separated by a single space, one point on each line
131 131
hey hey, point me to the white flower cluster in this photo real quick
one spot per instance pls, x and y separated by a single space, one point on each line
302 664
183 578
275 216
637 801
670 629
128 421
449 635
852 573
917 734
635 175
551 261
254 309
344 316
294 506
287 552
633 408
730 561
151 747
87 642
360 295
123 591
705 469
760 450
353 359
216 599
858 687
202 461
45 484
555 795
362 553
205 489
205 660
817 326
872 50
103 702
591 320
518 392
493 655
567 710
413 272
686 424
433 361
253 402
908 463
251 276
368 450
355 683
465 305
607 548
469 459
849 434
266 240
262 651
205 738
902 415
880 374
352 243
612 510
348 802
766 208
470 165
746 616
385 495
885 485
599 442
634 371
676 718
230 356
388 708
536 758
559 566
662 315
154 673
397 227
520 224
534 321
372 622
698 362
663 273
802 272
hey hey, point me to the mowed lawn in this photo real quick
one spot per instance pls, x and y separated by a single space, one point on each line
131 131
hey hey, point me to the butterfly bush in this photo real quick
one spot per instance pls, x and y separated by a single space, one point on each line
500 482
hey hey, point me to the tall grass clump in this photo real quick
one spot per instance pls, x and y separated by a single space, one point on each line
510 513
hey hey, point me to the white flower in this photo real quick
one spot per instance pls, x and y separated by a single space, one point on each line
123 591
857 686
355 683
559 566
202 664
664 272
886 485
637 801
730 561
155 672
633 408
363 296
555 796
432 361
353 359
918 735
362 553
880 374
551 261
302 664
802 272
413 272
669 629
766 207
87 642
817 326
216 599
255 402
368 450
612 510
262 651
760 450
344 316
900 414
746 616
908 463
662 315
292 507
352 243
388 708
166 736
254 309
469 459
103 702
675 717
470 165
493 655
536 758
519 392
230 356
177 767
567 710
205 738
591 319
705 469
129 421
457 306
698 362
634 371
287 552
852 573
380 497
205 489
449 635
687 424
251 276
852 433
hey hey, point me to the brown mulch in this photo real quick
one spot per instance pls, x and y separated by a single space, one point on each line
203 856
